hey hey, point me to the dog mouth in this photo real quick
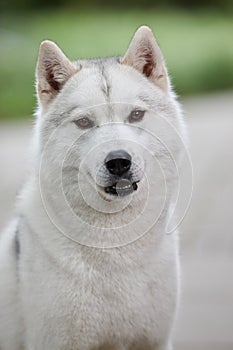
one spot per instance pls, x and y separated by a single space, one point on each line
122 188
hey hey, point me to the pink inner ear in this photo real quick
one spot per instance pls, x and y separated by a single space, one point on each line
148 67
45 92
146 56
49 69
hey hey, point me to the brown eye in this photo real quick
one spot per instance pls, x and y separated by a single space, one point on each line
84 123
136 116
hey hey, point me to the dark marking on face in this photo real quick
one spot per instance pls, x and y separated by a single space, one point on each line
17 245
56 119
150 103
106 89
17 242
105 86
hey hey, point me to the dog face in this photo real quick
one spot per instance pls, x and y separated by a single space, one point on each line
101 122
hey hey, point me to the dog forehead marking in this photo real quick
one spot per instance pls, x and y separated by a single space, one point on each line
105 87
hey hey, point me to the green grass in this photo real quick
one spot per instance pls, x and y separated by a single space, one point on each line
197 47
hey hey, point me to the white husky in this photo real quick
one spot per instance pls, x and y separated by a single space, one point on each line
88 264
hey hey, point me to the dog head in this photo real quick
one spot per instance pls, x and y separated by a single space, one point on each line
101 122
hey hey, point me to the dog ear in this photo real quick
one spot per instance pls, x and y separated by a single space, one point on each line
145 55
53 70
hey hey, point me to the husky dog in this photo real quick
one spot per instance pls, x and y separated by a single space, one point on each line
87 264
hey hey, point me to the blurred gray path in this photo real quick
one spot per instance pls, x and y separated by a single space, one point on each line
206 316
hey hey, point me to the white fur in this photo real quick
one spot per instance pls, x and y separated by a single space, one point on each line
95 272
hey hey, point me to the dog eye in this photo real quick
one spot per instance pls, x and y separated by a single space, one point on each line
84 123
136 116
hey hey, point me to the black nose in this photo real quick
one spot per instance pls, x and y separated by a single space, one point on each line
118 162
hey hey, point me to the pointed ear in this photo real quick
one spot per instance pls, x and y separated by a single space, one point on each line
145 55
53 70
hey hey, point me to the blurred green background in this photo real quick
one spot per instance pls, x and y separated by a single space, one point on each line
195 36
